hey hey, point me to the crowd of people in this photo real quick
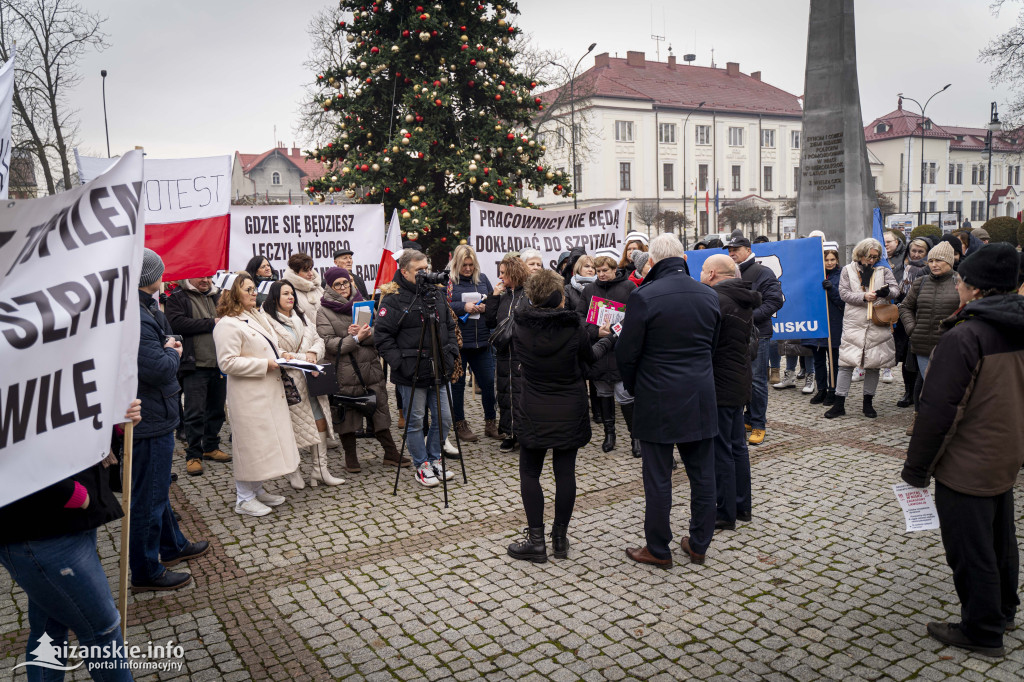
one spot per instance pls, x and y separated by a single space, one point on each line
551 351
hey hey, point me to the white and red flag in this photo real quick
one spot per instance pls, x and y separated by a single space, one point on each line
389 258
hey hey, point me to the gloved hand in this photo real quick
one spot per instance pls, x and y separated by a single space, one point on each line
883 292
826 285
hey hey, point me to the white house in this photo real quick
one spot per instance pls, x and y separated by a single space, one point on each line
279 175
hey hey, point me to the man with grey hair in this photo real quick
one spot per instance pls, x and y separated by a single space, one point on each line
672 324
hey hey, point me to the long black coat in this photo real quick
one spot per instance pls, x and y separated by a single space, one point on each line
836 307
617 290
665 355
763 281
733 374
509 373
554 350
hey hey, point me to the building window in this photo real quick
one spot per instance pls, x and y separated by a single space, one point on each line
624 179
794 139
703 222
956 174
767 186
736 171
542 139
702 177
623 131
978 174
932 206
796 179
540 191
955 207
874 183
928 171
881 128
668 176
977 210
577 133
577 178
768 139
702 134
1013 177
667 133
735 137
559 138
275 178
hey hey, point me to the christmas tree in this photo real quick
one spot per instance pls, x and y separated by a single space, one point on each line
431 114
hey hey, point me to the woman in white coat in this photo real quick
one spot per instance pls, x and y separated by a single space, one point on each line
295 333
862 284
262 441
307 283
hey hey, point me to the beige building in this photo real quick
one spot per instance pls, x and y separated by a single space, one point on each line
278 176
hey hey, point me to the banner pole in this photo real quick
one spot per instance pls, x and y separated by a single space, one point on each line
126 507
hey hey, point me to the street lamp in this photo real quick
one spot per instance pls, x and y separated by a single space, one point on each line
685 121
572 114
921 123
993 126
103 74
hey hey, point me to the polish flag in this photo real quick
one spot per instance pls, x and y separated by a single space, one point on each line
389 258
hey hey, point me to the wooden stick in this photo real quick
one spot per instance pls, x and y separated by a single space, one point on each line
126 507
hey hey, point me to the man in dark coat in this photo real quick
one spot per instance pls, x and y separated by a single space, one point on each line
396 335
192 314
665 359
343 259
733 377
763 281
155 536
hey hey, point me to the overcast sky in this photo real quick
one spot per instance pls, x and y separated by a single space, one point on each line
204 77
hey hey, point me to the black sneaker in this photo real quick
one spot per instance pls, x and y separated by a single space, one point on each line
170 580
745 517
722 524
191 551
951 635
508 445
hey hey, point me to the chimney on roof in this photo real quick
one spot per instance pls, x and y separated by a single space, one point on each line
756 75
672 62
635 59
899 103
732 68
296 151
602 60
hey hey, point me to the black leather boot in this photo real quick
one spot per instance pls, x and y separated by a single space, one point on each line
818 398
627 414
830 396
906 401
608 414
595 403
838 408
532 547
559 543
869 410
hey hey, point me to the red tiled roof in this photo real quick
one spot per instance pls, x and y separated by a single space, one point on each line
904 123
681 86
1000 193
308 168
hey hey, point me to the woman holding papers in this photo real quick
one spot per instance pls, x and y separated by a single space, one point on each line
350 347
262 440
295 334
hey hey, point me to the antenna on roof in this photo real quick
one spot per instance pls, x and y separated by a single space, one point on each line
656 38
712 57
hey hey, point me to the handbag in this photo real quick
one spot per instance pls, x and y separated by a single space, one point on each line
325 383
884 314
365 404
291 391
501 337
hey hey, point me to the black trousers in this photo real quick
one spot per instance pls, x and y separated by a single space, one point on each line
699 460
563 461
822 378
205 391
981 547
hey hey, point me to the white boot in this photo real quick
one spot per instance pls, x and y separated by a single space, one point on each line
295 477
320 473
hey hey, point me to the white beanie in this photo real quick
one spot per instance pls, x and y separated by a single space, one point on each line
830 246
608 251
637 237
817 233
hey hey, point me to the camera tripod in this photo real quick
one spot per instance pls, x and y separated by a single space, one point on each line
429 333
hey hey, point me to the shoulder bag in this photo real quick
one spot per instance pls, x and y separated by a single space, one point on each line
291 391
884 314
365 404
325 383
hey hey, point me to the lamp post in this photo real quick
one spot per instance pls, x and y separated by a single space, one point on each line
685 121
572 115
103 75
993 126
921 123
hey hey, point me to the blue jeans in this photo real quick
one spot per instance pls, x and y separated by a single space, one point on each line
482 362
732 465
774 357
66 589
757 408
922 364
415 406
699 460
154 532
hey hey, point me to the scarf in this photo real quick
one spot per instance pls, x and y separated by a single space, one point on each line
332 300
865 274
578 282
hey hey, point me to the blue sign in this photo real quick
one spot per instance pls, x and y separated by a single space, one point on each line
799 266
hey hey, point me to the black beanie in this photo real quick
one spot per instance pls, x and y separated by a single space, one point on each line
958 247
993 266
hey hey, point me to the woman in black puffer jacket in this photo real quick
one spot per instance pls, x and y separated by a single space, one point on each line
583 273
555 351
611 285
507 299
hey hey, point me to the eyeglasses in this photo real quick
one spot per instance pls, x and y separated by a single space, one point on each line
342 284
249 290
872 257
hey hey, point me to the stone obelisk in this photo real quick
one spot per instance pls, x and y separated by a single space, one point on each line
835 193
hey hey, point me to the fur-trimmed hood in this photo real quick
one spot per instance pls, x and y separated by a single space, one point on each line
547 319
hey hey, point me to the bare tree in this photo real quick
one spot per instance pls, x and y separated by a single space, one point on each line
670 221
51 36
1006 53
646 211
327 54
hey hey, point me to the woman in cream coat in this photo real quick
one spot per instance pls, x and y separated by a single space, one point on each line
295 333
262 441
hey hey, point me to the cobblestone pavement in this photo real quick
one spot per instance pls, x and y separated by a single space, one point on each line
352 583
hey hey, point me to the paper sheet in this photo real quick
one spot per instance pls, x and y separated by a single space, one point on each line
918 507
301 365
473 297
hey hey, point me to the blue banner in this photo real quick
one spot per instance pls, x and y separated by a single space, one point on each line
799 266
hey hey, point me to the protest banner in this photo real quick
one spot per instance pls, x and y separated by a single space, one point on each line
799 266
495 230
277 232
186 202
6 114
69 326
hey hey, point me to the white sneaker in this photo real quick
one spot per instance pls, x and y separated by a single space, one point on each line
252 507
788 380
858 374
808 384
447 474
269 499
425 475
887 375
450 449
